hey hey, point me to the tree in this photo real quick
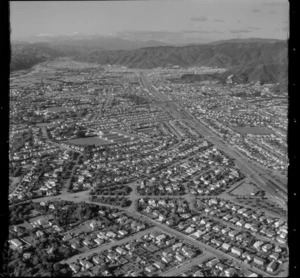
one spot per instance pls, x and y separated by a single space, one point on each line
35 260
65 271
17 172
56 269
65 252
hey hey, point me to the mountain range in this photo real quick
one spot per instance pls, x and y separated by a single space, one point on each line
262 60
78 40
222 55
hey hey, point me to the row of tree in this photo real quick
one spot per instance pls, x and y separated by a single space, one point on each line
43 261
20 212
75 213
101 189
116 201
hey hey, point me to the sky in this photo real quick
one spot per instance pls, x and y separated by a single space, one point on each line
170 21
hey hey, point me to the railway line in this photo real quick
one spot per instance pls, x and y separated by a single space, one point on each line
257 174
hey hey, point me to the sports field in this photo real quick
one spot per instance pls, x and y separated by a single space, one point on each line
89 141
43 124
13 183
59 109
253 130
245 189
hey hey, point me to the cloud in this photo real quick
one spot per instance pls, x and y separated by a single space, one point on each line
148 32
253 28
285 29
198 18
169 36
149 35
164 34
219 20
277 4
255 10
200 32
240 31
193 31
248 29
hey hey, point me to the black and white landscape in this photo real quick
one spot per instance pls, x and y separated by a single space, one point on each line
148 138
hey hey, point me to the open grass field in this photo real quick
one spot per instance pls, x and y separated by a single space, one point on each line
13 183
245 189
252 130
59 109
33 75
133 135
89 141
236 110
114 131
220 108
43 124
30 78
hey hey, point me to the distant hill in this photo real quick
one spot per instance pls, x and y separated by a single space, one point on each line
249 40
224 55
265 73
281 87
89 42
247 60
257 60
191 78
25 55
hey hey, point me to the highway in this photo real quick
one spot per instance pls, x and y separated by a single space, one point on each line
258 175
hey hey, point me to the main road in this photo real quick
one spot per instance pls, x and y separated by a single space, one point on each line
260 177
204 247
84 196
